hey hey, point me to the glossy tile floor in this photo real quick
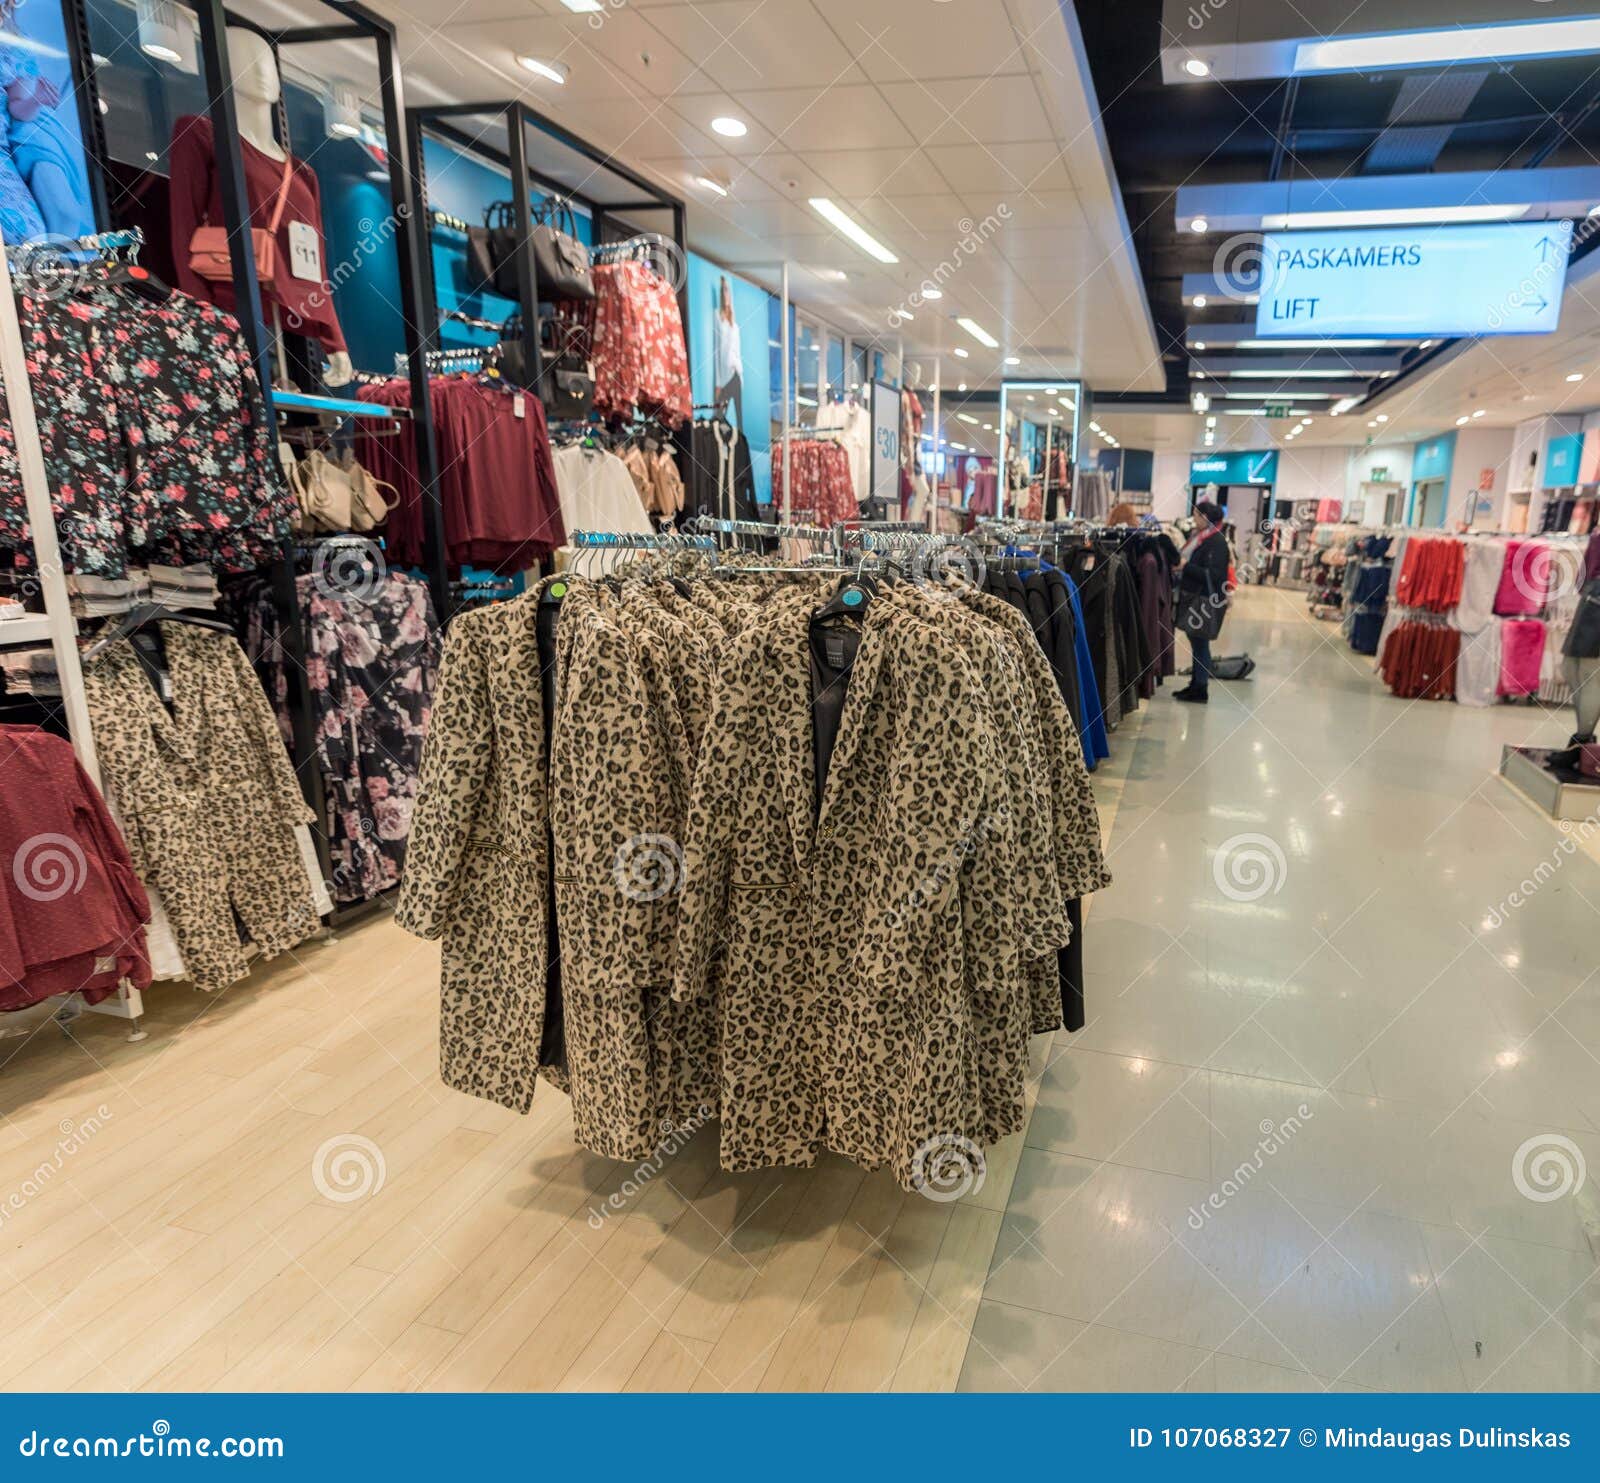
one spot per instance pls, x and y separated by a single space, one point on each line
1325 1126
1284 1152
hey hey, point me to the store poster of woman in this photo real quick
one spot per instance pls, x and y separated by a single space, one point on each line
44 186
729 362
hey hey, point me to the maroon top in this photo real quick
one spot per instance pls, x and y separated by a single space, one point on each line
72 912
196 197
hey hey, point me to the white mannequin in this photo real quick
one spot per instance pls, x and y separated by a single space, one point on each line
256 90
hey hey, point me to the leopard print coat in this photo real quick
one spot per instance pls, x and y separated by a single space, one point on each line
208 798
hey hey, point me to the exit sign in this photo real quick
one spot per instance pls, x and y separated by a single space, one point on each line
1277 412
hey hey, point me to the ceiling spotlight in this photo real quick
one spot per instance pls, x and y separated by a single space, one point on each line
1383 417
1305 422
1196 68
1374 424
1015 360
962 386
555 72
1576 376
164 33
341 111
1199 224
705 182
928 291
1479 412
1199 344
1461 422
730 128
1426 345
1200 301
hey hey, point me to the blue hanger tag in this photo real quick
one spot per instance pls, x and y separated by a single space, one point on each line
854 597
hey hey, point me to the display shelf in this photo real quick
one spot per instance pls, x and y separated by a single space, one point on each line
1562 794
305 401
32 629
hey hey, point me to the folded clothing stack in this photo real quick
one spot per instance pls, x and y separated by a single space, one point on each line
31 672
183 586
102 597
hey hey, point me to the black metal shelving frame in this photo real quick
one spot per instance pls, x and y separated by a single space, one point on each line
611 218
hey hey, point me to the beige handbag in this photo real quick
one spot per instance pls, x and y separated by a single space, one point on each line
369 507
323 491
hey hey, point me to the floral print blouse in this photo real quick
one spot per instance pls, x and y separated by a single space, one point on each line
155 436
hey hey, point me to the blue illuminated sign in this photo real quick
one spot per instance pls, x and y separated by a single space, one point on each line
1249 467
1496 278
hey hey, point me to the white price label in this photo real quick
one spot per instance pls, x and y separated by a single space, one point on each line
305 256
519 405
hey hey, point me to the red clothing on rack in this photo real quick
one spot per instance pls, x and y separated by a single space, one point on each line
1431 573
72 911
640 362
497 481
196 200
823 486
1419 661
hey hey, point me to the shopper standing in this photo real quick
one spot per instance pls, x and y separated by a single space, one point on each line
1203 596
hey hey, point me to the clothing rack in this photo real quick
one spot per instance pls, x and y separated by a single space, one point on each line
455 316
445 219
710 525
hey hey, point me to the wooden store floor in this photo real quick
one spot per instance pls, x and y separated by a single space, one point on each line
161 1226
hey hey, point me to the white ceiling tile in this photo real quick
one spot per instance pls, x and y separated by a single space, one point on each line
744 44
1007 170
938 216
872 172
1034 211
838 118
894 40
789 175
984 110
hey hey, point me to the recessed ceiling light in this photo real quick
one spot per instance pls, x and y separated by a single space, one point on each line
978 333
1015 360
962 386
705 182
1576 376
1094 427
850 227
1199 224
730 128
1461 422
1426 345
1305 422
928 291
553 71
1199 344
959 351
1479 412
1383 417
1200 301
1196 68
584 7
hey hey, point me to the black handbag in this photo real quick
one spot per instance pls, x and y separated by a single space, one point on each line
480 261
567 386
1583 638
500 239
562 260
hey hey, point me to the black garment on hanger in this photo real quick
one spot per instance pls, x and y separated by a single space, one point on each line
833 651
553 1040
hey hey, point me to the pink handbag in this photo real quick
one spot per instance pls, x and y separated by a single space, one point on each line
209 257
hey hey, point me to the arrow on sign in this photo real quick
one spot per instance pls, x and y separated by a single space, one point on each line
1257 468
1544 244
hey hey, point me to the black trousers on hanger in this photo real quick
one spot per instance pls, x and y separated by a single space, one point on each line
1069 964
